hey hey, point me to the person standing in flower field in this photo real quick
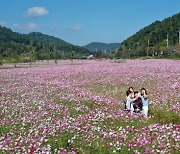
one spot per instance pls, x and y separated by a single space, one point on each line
143 95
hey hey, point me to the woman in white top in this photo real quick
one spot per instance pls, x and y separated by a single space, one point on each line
129 101
143 96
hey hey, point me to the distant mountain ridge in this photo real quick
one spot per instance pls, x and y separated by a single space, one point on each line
43 46
99 46
59 43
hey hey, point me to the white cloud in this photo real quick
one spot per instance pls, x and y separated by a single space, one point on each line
76 27
27 28
16 25
3 23
36 12
32 26
54 27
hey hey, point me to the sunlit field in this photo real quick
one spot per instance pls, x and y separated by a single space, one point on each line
77 107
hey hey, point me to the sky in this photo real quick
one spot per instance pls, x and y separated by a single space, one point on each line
84 21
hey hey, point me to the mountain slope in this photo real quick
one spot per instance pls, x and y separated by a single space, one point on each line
98 46
12 43
156 33
47 38
57 42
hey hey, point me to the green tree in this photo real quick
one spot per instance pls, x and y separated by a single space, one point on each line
98 54
15 58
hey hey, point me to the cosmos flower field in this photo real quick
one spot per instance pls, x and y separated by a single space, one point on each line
78 107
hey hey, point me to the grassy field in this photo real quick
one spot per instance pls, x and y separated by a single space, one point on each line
78 107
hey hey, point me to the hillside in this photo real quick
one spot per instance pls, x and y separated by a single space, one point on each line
43 46
155 35
98 46
47 38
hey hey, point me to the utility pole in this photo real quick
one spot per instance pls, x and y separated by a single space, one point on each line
148 48
179 35
138 46
178 31
167 40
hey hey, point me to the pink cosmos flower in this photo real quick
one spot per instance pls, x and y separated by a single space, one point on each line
147 151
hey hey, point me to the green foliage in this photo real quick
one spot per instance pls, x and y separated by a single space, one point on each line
35 46
4 129
156 33
60 142
96 46
99 54
165 117
4 152
1 61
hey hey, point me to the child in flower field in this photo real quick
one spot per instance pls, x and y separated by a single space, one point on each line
137 104
143 96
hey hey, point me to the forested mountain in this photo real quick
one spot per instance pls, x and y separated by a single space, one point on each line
41 46
149 41
47 38
98 46
152 38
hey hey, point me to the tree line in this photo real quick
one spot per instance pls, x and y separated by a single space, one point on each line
159 38
36 46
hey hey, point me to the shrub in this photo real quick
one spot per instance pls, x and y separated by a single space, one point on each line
165 117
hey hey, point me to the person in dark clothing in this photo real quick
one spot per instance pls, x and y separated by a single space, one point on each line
137 104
